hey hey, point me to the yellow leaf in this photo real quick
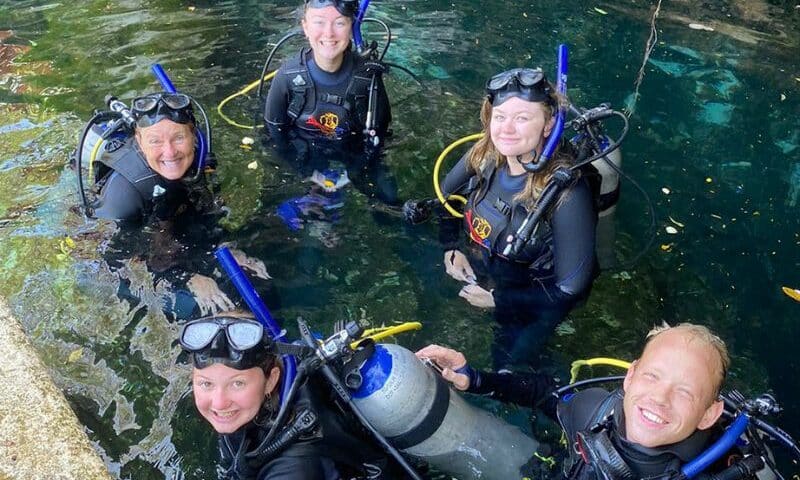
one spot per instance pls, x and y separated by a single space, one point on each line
792 293
74 356
600 11
70 242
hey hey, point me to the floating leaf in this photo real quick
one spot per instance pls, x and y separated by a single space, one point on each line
600 11
792 293
671 230
247 141
783 97
700 26
709 180
666 247
676 222
252 165
75 355
665 190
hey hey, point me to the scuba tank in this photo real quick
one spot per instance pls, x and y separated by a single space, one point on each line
609 186
606 230
422 416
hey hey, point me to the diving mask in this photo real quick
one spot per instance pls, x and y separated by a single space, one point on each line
239 343
348 8
151 109
526 83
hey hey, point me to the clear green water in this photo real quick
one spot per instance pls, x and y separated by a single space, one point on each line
721 105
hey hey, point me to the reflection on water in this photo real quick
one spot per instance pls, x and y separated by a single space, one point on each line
713 141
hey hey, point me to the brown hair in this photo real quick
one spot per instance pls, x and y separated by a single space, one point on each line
484 150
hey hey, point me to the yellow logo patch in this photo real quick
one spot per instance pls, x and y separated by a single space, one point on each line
481 227
329 120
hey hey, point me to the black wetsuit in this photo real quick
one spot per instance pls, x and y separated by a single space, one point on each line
328 451
128 189
534 290
327 105
315 119
582 411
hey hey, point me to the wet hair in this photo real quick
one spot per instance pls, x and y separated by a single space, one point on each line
484 150
338 5
702 334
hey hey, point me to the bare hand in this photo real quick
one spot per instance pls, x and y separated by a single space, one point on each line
208 296
477 296
253 264
449 360
457 266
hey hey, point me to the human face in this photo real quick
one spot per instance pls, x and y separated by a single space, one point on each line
229 398
670 390
518 127
168 148
328 33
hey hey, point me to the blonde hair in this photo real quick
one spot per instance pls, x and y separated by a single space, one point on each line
702 334
484 150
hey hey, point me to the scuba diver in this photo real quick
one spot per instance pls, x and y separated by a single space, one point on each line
328 91
149 165
235 378
660 425
327 107
506 179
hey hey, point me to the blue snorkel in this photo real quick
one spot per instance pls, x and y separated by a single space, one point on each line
250 296
202 143
359 19
715 451
558 129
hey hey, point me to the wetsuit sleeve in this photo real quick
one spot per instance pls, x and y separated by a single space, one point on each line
527 390
275 108
456 181
573 225
288 467
119 200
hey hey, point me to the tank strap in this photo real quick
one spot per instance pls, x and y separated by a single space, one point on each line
129 162
430 423
302 87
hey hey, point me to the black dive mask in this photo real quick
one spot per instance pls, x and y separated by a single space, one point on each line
348 8
526 83
239 343
151 109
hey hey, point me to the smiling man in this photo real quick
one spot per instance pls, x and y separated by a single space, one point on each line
659 421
